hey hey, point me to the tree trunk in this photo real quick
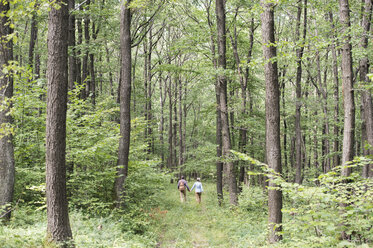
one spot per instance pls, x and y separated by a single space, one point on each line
71 44
57 206
220 15
92 67
110 73
366 96
219 163
78 59
161 124
86 51
299 53
170 133
336 158
33 37
125 101
181 141
7 168
348 91
273 150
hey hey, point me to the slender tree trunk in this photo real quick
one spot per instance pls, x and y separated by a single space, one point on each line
181 141
366 95
336 158
348 91
78 59
110 73
299 53
92 67
219 163
57 206
220 15
33 37
170 133
161 124
273 150
7 167
125 101
175 124
86 52
71 44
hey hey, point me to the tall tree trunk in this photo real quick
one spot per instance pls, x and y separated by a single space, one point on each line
7 168
219 163
33 37
348 91
110 73
161 124
57 206
86 52
125 101
175 124
92 66
170 133
71 44
299 53
273 150
366 95
78 54
181 140
220 17
336 158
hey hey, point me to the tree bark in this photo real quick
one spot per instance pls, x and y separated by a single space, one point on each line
219 163
125 101
366 95
71 44
7 167
273 150
226 142
86 52
336 158
348 91
33 37
299 53
58 228
78 59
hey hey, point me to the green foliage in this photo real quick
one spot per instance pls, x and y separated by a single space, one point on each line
316 215
252 199
143 189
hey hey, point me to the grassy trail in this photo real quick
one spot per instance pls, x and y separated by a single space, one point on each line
197 225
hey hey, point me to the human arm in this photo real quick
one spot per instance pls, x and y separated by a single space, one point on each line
193 186
186 184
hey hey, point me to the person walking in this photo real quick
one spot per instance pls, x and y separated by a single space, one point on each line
199 189
182 185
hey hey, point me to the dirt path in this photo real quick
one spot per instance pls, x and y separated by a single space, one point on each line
191 224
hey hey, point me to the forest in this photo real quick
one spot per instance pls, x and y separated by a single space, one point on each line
106 104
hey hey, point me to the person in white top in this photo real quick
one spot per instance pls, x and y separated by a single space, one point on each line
199 189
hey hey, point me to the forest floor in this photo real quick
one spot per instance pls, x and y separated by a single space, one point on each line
170 225
191 224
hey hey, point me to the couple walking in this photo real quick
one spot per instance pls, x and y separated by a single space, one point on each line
182 185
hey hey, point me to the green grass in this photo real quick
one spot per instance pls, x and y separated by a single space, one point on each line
207 225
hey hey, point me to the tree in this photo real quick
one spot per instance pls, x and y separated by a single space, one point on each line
273 150
58 229
226 139
7 170
125 100
348 91
366 96
299 52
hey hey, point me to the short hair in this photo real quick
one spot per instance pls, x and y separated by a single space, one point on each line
182 177
198 179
